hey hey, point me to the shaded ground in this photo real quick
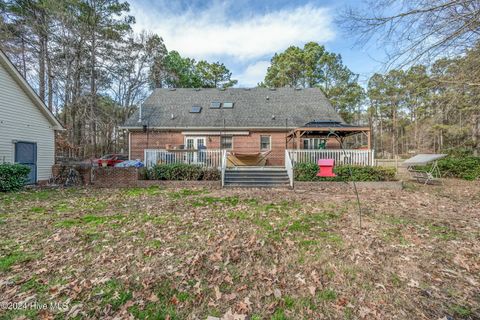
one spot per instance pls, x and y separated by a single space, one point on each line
264 254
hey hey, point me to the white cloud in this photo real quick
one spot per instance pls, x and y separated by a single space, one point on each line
212 33
253 74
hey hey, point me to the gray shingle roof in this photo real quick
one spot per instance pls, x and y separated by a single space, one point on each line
253 108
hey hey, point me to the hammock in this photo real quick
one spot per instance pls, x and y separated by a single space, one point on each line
238 159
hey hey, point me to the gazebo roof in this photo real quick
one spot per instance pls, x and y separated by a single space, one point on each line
327 123
324 127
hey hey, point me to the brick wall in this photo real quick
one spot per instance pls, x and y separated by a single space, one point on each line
62 170
139 141
251 144
248 144
99 176
114 177
111 177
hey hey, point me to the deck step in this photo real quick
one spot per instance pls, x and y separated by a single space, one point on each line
261 181
276 174
273 178
256 177
235 185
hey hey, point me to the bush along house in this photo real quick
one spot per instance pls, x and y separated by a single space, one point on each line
244 131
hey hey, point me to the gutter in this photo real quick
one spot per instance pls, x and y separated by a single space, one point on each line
211 128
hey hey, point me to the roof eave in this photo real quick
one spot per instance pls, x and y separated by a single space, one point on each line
12 70
208 128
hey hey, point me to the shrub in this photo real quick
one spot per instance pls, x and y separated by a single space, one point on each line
182 171
308 172
13 176
143 173
467 167
211 174
458 152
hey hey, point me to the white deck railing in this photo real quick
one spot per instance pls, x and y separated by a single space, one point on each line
223 166
212 158
289 167
347 156
208 158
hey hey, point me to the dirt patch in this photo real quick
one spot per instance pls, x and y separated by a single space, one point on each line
177 253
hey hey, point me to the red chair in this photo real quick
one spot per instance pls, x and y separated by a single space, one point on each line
325 168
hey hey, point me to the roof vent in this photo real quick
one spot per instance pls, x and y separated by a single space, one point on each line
298 88
268 98
273 117
272 89
172 116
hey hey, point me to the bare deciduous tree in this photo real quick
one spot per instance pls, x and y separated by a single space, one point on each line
414 31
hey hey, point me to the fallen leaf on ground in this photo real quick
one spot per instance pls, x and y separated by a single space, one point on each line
277 293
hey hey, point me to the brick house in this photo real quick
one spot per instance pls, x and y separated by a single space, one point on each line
249 121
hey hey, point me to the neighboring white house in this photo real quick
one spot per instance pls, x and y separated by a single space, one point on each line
27 127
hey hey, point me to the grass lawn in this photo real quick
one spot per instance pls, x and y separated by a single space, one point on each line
241 254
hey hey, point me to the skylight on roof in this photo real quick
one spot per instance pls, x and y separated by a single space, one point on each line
227 105
196 109
215 105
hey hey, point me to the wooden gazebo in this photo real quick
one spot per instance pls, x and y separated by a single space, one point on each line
323 129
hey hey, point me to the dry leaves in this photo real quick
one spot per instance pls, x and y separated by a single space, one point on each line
286 252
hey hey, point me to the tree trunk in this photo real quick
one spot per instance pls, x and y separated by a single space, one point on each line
24 62
41 69
50 81
77 132
476 149
93 92
394 131
381 135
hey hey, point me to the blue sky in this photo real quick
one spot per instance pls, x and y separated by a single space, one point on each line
244 34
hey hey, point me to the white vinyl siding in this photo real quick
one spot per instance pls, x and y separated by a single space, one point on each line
21 120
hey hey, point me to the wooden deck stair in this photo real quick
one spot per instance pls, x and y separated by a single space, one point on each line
255 177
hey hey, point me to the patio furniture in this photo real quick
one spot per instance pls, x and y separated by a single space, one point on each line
238 159
325 168
424 174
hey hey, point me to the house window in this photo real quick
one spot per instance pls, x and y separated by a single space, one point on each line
314 143
226 142
265 142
